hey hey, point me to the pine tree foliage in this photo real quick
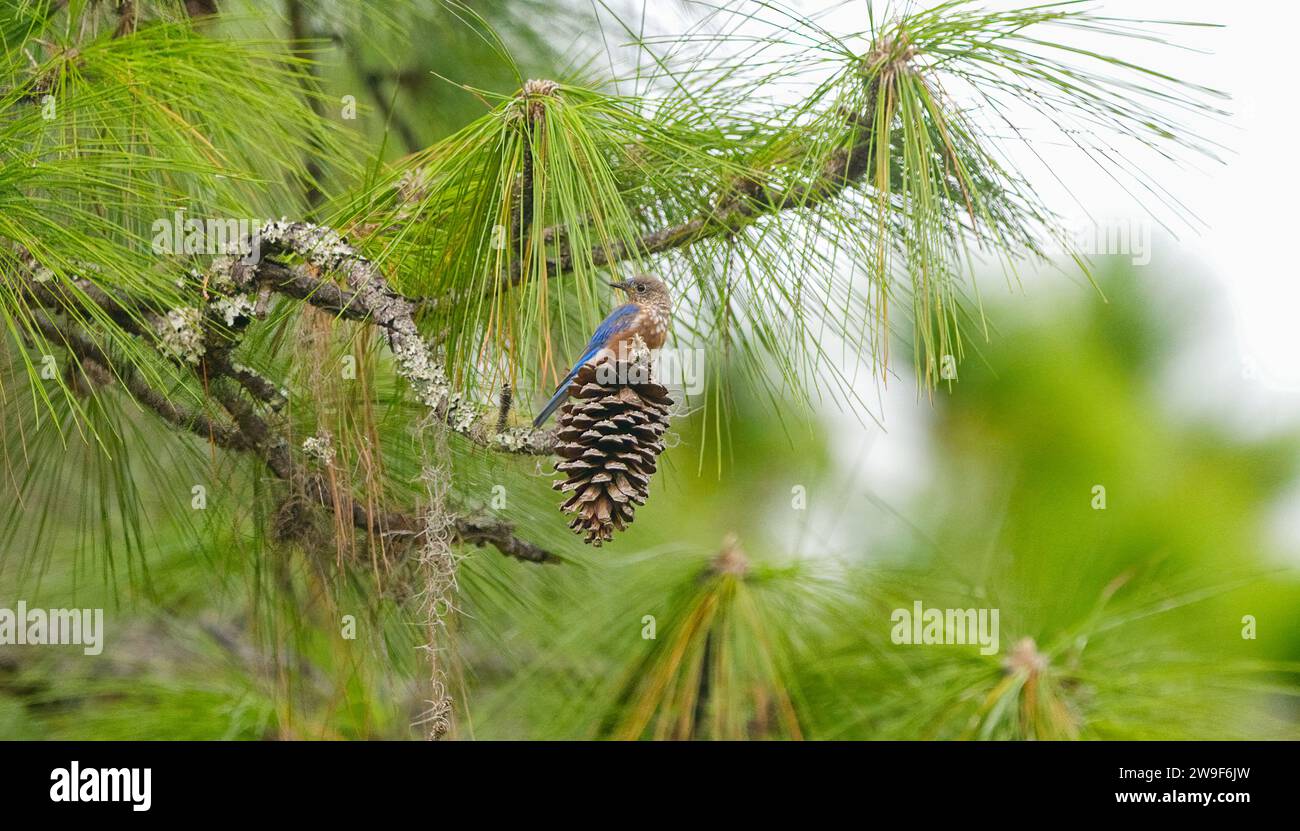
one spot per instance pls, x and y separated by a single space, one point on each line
265 418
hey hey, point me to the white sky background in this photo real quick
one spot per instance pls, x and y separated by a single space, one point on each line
1247 204
1242 367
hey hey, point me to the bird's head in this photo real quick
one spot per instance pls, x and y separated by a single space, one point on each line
647 290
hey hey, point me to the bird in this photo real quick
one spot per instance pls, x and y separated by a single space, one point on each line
648 314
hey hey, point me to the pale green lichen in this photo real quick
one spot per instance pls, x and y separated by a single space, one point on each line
180 334
320 448
233 307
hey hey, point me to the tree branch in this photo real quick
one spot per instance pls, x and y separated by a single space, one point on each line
86 350
369 298
251 432
743 203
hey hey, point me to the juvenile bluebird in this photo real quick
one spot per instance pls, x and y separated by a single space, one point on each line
648 314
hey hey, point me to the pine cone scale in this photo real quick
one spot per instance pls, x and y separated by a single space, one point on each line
609 439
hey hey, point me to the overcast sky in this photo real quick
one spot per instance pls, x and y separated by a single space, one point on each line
1242 367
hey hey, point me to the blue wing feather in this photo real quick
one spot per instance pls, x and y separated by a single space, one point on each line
618 321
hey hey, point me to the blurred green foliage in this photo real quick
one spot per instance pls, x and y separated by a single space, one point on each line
1134 611
727 610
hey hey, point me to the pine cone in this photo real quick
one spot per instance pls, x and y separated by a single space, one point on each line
609 438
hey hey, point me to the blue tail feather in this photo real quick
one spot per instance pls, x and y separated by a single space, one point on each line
555 402
562 391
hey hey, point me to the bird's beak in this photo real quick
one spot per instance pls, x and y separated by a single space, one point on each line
624 285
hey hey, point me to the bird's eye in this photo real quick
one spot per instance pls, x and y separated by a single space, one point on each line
640 288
